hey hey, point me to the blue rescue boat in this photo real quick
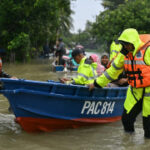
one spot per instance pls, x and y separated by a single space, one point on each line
48 106
61 68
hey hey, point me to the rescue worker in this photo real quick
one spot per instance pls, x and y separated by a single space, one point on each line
115 48
134 57
86 70
122 80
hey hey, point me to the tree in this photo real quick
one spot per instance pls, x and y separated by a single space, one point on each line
35 21
133 14
112 4
64 14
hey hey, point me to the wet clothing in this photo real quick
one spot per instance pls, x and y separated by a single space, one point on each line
86 72
135 96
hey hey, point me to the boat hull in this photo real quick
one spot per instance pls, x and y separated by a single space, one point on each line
47 125
47 106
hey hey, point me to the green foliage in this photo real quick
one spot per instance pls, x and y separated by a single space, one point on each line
19 41
132 14
84 38
32 22
21 45
112 4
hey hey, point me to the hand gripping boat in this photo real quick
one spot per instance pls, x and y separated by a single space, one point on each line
48 106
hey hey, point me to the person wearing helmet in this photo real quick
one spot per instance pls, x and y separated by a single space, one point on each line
134 58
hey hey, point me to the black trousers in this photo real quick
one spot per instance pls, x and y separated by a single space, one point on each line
129 119
61 60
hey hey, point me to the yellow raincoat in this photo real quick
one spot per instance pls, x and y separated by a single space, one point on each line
131 36
114 50
86 73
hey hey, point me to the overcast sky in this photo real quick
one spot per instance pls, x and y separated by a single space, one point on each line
84 10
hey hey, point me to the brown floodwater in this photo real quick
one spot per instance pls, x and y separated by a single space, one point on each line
101 137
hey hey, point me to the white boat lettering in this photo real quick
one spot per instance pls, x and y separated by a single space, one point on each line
93 107
86 106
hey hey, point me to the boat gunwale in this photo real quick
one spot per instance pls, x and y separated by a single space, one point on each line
51 94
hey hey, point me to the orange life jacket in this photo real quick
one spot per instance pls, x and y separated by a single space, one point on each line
137 71
144 38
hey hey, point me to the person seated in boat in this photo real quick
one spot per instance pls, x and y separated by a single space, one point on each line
100 68
105 59
86 70
71 61
80 47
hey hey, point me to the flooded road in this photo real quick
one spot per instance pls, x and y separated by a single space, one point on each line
101 137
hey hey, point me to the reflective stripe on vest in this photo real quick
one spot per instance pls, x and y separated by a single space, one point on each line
89 78
115 51
108 76
138 62
117 68
93 70
147 94
80 74
86 77
137 71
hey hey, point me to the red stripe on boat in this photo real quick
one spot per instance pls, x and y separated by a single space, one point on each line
47 125
99 120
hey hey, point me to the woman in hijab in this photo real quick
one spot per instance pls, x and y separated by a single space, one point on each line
100 68
105 59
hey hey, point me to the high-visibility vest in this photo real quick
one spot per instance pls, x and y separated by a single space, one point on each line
86 73
137 71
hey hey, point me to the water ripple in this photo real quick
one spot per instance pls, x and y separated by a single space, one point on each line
8 124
